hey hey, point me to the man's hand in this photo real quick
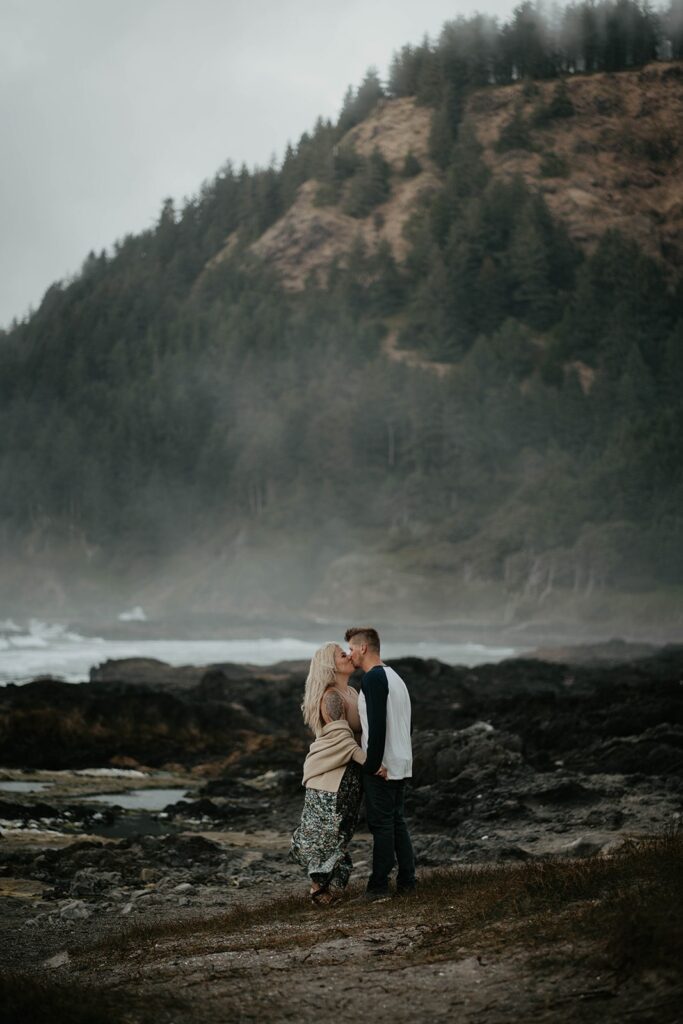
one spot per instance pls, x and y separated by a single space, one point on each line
382 772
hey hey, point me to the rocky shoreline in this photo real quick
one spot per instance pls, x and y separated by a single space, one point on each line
528 759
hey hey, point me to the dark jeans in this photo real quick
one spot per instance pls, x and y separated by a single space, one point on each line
391 839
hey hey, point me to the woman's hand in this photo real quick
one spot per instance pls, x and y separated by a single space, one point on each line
382 772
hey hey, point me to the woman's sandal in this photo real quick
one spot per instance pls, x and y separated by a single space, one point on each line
324 896
320 897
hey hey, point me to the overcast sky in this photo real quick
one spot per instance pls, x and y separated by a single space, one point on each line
108 106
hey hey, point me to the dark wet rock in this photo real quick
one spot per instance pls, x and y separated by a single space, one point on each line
278 780
89 882
446 755
477 785
477 772
18 810
227 786
157 674
604 818
435 850
93 867
284 754
178 851
508 758
513 853
609 652
195 808
49 724
146 672
23 810
656 751
76 910
556 711
565 791
273 698
560 711
220 810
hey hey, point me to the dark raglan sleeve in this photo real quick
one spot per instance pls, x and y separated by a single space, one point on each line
376 690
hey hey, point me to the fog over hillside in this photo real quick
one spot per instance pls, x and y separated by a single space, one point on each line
427 368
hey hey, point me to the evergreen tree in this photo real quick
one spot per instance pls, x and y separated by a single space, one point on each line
468 174
386 290
358 104
515 133
444 127
370 185
430 81
411 165
561 102
404 72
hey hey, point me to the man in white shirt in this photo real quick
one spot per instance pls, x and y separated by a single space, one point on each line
385 714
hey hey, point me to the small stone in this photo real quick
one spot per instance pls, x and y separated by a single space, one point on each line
58 960
183 887
126 909
513 852
613 845
582 847
74 911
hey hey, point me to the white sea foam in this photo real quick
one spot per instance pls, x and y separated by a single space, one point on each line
52 650
9 626
28 640
136 614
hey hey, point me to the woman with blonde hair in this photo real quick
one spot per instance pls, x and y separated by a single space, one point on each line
332 775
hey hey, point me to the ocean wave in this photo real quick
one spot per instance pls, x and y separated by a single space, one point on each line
55 652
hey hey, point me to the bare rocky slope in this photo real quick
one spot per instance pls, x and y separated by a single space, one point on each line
622 147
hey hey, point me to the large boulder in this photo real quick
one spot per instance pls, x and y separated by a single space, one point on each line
479 748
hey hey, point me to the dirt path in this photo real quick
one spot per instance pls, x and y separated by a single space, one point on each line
494 944
362 960
411 357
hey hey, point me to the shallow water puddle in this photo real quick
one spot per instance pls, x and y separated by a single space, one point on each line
24 787
141 799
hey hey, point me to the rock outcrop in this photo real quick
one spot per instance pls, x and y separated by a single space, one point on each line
621 154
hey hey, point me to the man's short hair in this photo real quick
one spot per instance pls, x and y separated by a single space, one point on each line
364 635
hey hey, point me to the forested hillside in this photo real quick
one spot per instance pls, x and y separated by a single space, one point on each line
432 360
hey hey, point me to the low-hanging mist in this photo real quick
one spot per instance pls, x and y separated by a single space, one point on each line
400 373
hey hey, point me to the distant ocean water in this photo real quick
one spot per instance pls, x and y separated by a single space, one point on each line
44 649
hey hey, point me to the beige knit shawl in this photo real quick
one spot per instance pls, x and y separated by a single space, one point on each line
329 755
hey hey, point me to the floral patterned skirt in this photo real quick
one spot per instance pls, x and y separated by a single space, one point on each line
328 821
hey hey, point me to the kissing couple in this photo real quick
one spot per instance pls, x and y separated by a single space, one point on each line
362 746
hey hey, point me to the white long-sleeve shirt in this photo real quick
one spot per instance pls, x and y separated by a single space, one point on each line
385 714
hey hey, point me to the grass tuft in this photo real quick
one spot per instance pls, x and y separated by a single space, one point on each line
623 903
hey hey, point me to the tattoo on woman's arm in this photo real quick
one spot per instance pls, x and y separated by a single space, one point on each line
334 706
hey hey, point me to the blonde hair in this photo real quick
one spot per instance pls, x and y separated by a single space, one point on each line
321 675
